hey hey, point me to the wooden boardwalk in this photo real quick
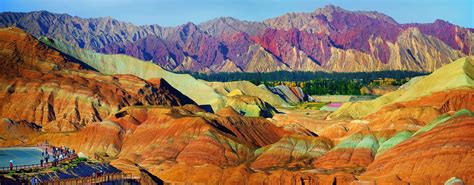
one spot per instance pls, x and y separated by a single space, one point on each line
36 166
110 178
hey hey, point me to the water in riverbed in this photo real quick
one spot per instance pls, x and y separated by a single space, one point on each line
20 156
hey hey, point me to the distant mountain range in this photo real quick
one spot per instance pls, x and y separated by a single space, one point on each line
328 39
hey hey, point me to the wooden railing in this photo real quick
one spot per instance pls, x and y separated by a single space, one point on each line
36 166
117 178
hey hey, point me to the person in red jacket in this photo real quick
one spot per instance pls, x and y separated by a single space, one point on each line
11 164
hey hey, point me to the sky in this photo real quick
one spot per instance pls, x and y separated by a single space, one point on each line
177 12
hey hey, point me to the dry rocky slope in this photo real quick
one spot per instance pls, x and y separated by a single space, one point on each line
60 91
197 90
138 124
455 76
213 94
327 39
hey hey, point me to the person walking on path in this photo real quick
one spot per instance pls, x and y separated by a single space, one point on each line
55 161
35 181
11 164
41 162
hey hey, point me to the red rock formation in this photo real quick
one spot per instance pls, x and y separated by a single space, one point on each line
446 101
354 152
99 140
431 157
402 118
291 152
198 45
210 174
110 117
281 44
21 54
453 35
191 136
328 39
16 133
163 52
145 125
58 90
345 158
412 115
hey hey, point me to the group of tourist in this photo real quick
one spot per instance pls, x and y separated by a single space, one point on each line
58 154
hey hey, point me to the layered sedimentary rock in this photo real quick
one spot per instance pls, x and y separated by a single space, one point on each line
227 66
357 150
327 39
414 135
120 64
248 88
59 91
185 130
351 29
433 156
250 106
150 49
98 140
456 75
412 115
88 33
16 133
229 25
291 152
291 95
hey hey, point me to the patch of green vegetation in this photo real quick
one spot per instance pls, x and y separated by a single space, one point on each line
54 169
301 76
317 83
10 174
80 159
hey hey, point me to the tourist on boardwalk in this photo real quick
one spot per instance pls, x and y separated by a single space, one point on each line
55 161
41 162
11 164
46 158
35 180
